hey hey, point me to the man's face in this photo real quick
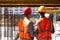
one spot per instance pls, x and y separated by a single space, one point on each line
29 15
41 13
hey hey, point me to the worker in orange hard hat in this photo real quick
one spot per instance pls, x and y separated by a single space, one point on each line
45 26
24 32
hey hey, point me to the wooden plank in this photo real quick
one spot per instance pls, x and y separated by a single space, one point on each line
31 1
31 5
34 3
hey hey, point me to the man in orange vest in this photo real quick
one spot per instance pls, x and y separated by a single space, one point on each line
24 32
45 26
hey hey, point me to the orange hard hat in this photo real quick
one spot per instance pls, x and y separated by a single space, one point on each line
27 10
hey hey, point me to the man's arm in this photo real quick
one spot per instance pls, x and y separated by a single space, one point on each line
17 36
52 27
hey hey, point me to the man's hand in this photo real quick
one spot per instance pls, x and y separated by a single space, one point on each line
35 27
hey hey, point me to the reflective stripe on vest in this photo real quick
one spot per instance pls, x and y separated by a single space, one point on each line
41 31
43 38
24 31
26 39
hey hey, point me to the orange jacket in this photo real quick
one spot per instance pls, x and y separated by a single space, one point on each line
44 29
22 34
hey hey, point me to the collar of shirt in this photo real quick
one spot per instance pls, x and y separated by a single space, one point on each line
26 22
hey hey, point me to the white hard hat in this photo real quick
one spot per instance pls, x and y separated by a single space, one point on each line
41 9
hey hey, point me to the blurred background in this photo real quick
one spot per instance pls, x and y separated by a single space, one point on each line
10 16
11 11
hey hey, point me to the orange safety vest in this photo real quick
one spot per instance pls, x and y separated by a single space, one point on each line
22 34
44 29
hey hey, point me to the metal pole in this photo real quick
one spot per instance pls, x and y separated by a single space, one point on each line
54 21
54 16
